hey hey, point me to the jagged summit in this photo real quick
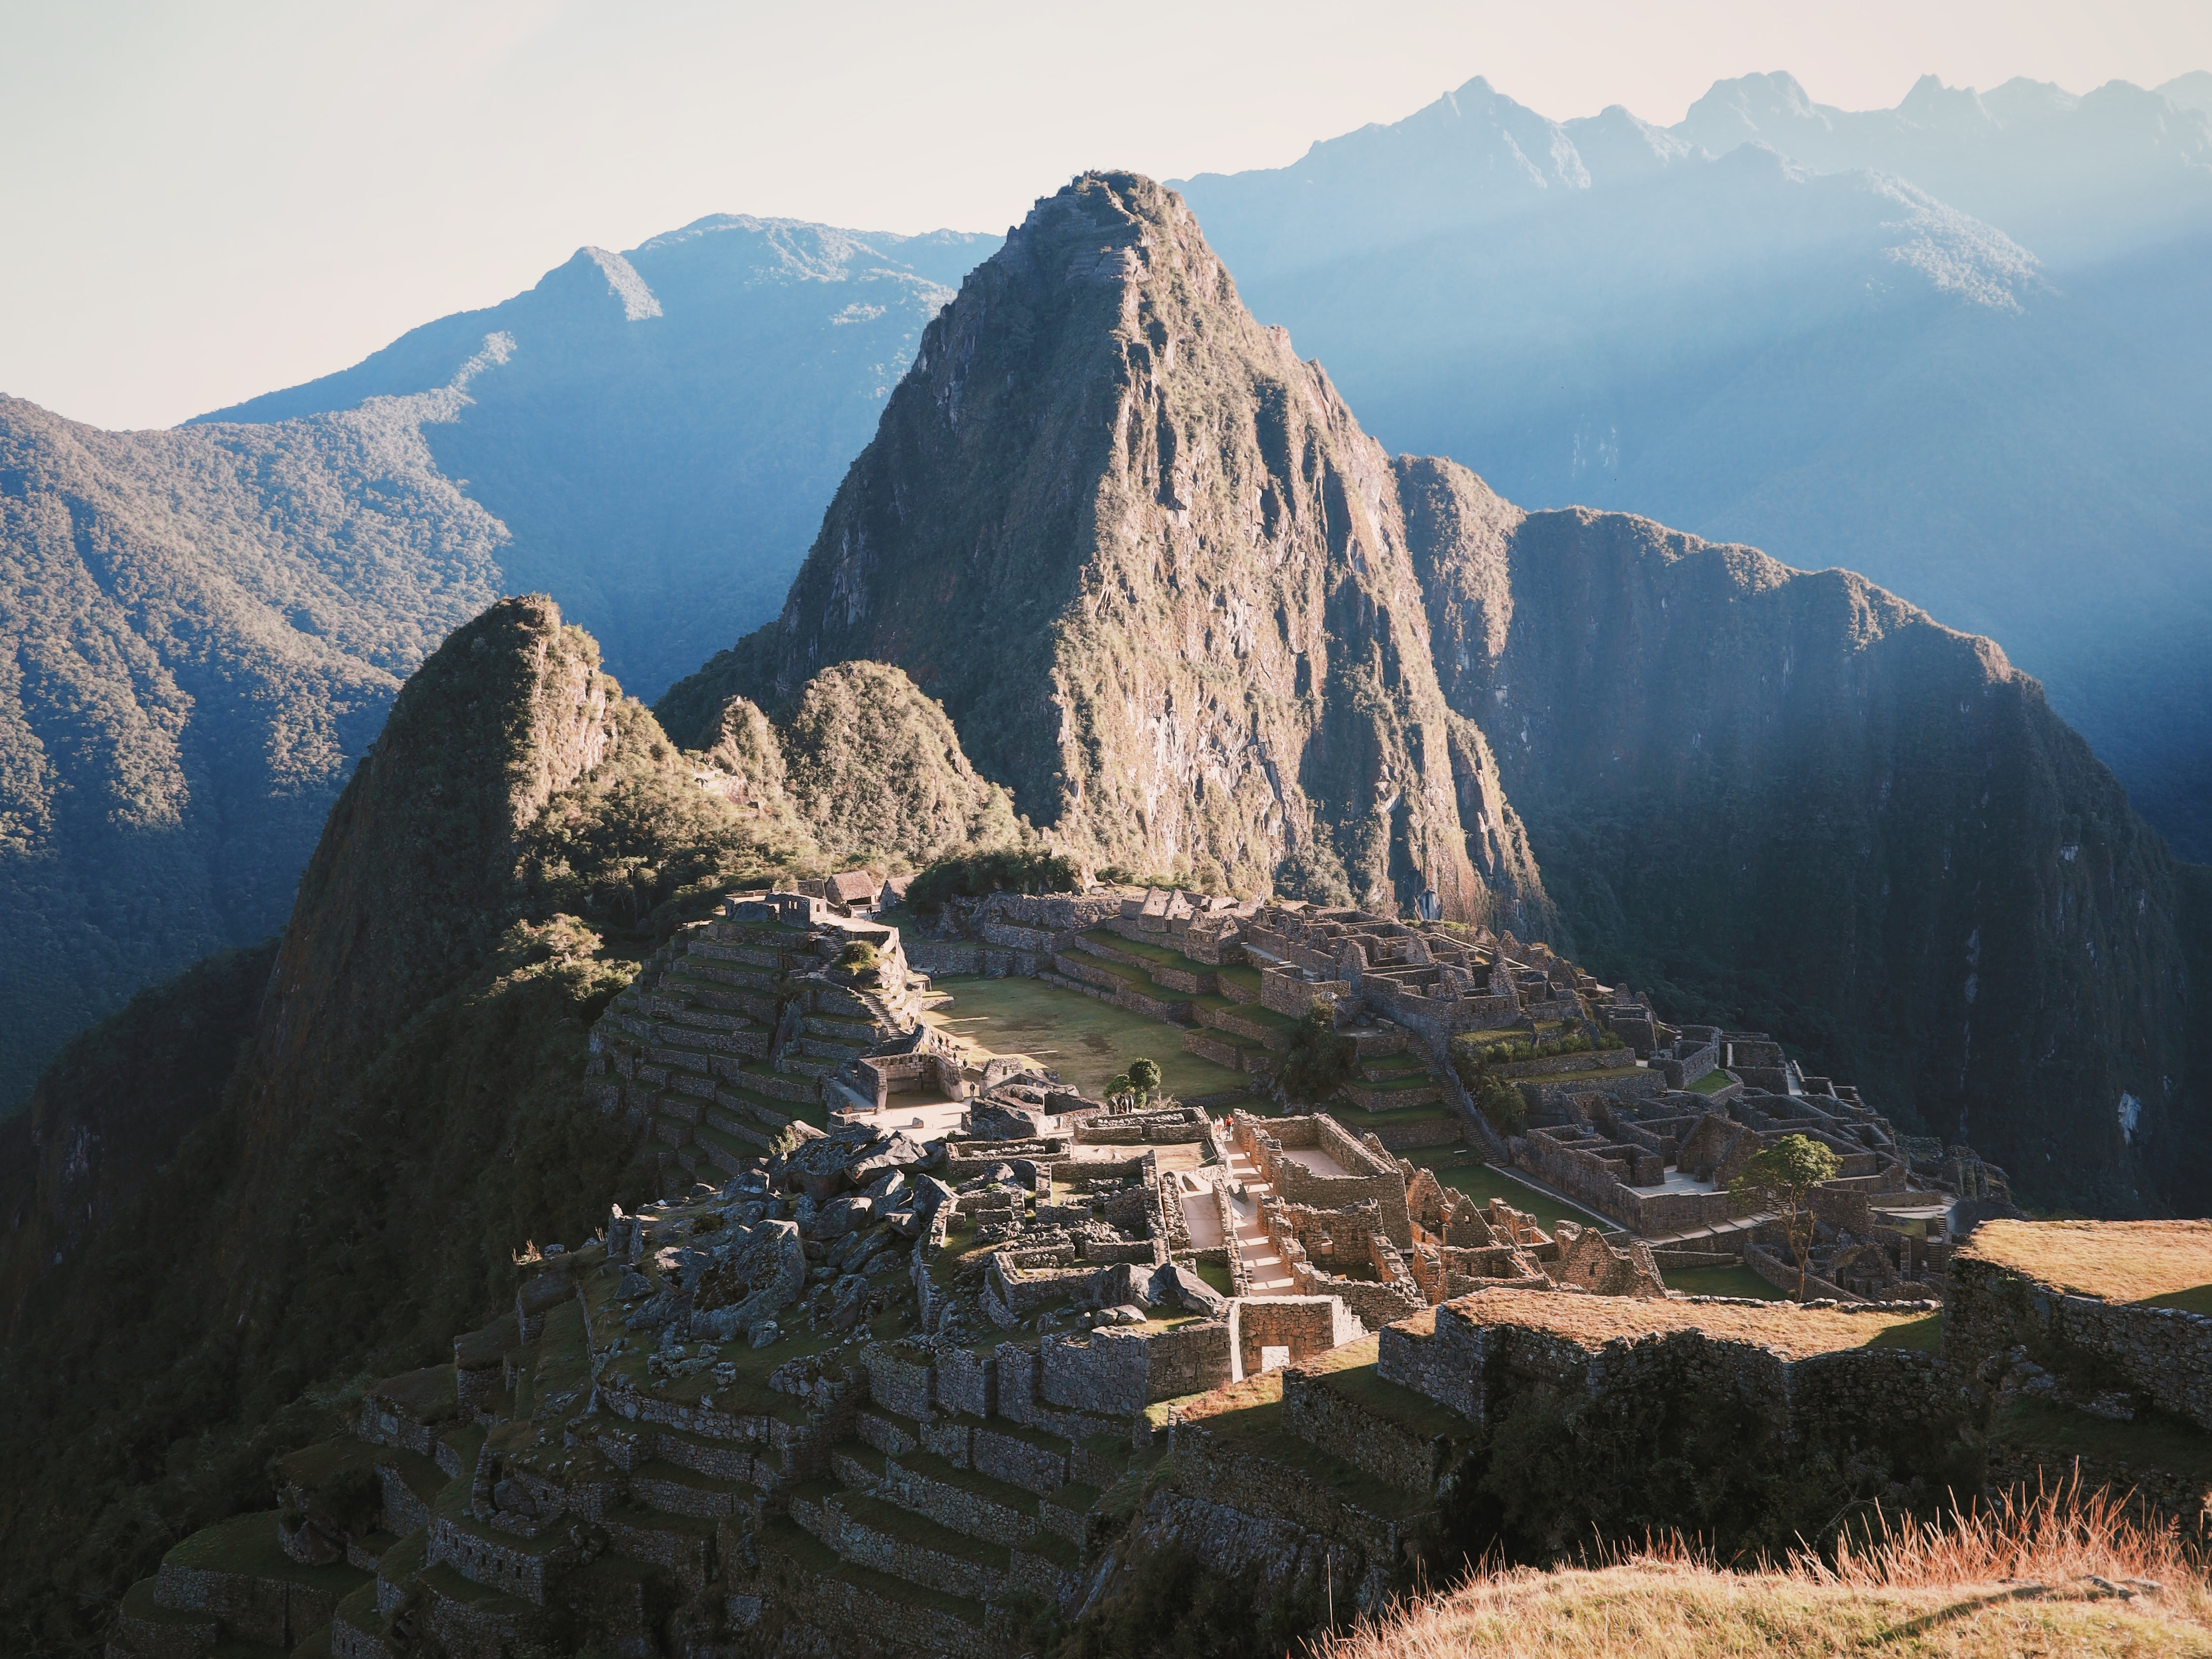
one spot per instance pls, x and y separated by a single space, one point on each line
1156 573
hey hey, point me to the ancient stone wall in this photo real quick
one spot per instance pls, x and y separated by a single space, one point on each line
2163 1355
1304 1325
1292 995
1392 1452
1465 1362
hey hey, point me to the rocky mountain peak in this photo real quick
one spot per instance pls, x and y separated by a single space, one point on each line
1155 572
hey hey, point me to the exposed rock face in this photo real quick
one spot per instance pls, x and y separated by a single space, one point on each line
876 770
1153 569
1793 799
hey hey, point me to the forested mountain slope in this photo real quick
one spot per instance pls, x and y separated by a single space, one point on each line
204 626
208 624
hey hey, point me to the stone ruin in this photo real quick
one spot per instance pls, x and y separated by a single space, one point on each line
901 1324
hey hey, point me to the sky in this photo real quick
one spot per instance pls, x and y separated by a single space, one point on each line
208 201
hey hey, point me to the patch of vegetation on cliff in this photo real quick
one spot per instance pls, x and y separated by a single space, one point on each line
1000 870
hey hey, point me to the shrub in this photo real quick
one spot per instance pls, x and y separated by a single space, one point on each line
1005 870
858 956
1319 1058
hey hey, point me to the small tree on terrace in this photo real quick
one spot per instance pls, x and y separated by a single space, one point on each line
1784 1174
1137 1085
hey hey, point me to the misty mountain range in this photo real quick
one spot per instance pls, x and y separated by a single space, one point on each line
1955 346
1958 346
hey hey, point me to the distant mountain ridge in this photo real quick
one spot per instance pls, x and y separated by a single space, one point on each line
1956 346
667 424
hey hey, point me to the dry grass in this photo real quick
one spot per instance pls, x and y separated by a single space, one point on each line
2119 1261
2057 1575
1591 1321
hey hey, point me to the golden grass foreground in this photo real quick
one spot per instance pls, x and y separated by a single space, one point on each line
2056 1575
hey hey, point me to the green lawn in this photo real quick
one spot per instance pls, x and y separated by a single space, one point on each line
1711 1083
1469 1174
1085 1041
1720 1281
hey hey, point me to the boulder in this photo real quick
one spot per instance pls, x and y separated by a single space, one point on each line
1181 1287
752 1280
825 1166
762 1335
886 1189
898 1152
633 1285
1001 1119
843 1215
1125 1283
849 1304
929 1194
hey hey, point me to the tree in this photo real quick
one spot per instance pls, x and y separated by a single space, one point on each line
1784 1175
1144 1078
1319 1056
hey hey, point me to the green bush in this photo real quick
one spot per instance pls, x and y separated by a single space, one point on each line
858 956
1005 870
1320 1057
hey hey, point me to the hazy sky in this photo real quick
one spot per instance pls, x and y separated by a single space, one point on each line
207 201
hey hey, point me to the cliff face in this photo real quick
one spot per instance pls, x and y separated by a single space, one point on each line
1155 572
1793 799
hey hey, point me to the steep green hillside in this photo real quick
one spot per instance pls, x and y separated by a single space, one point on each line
878 769
405 1113
203 628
